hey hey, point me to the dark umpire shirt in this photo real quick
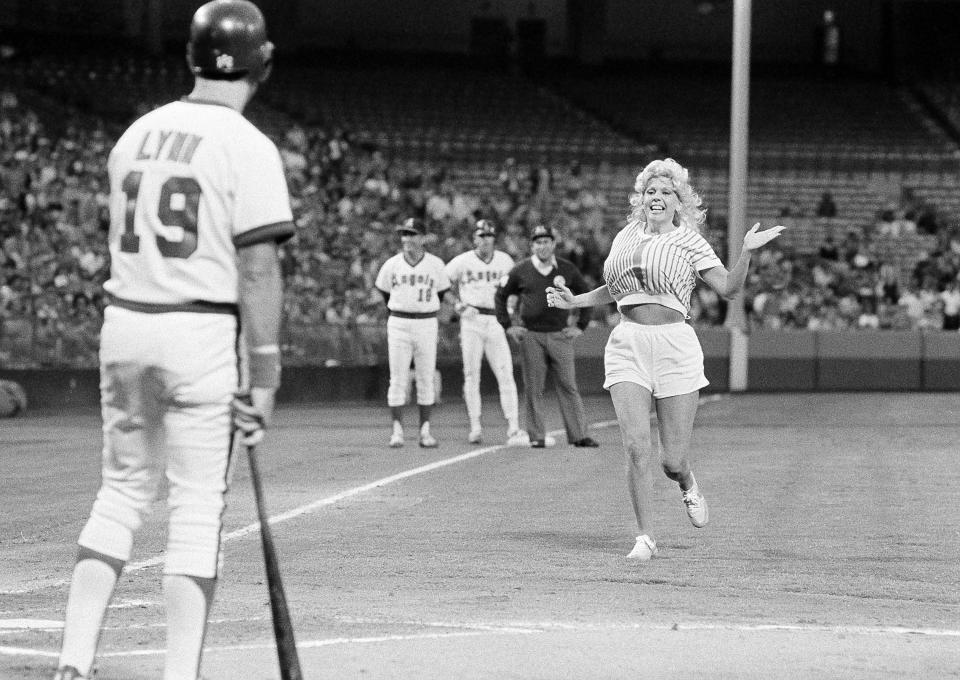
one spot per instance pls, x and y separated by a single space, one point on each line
531 286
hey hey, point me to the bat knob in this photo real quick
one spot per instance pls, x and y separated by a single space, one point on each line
559 281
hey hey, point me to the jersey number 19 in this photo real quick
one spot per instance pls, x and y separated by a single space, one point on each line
184 217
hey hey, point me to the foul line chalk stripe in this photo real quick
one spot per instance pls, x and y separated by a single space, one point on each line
28 624
23 651
330 500
19 625
542 627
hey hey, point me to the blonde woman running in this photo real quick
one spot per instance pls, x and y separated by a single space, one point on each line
653 354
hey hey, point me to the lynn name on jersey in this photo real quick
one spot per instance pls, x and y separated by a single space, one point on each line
178 147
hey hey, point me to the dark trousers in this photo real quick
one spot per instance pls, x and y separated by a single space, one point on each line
553 352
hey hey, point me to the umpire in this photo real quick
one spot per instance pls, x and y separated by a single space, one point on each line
545 338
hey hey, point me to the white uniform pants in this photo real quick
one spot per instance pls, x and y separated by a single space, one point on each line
412 340
479 336
166 382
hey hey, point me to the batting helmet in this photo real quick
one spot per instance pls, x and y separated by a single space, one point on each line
228 41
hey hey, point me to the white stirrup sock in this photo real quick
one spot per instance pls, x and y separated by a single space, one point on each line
188 600
90 591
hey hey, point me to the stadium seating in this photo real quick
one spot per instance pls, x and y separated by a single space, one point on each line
796 121
463 112
412 132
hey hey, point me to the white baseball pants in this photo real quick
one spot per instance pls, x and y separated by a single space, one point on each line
479 336
412 340
166 382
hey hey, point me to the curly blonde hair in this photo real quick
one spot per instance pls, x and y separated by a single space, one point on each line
689 214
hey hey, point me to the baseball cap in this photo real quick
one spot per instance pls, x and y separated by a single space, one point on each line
540 231
485 228
412 225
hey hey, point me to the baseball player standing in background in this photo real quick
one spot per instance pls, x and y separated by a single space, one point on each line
198 204
475 275
413 283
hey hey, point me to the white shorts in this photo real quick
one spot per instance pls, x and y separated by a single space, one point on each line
666 359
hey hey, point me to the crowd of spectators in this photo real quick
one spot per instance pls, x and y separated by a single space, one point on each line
347 195
53 222
848 285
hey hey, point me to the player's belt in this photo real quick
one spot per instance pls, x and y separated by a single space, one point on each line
199 306
413 315
486 310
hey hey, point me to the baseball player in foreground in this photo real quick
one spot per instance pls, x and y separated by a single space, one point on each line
475 275
198 204
413 283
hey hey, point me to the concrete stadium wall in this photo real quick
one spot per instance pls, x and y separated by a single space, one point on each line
781 361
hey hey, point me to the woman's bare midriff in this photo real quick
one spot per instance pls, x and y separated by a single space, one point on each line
651 314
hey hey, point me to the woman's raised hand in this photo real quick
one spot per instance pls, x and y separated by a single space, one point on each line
755 238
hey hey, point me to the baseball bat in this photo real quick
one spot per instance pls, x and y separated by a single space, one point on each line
282 627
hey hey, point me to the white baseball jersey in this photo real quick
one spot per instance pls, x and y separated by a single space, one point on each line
414 288
477 280
190 182
656 268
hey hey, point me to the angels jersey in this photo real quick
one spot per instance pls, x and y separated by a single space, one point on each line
190 182
413 288
477 280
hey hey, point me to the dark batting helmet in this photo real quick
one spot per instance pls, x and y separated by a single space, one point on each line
228 41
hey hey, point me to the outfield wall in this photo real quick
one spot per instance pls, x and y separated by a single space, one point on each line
781 361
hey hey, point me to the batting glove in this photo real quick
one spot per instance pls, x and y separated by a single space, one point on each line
247 419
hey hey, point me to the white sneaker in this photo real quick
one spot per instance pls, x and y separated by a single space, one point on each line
645 549
518 438
696 506
427 441
475 436
396 440
69 673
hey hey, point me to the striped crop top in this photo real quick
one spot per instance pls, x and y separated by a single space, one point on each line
656 268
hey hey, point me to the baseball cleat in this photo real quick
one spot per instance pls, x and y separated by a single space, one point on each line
696 506
544 443
645 549
396 440
68 673
586 442
518 438
475 436
428 441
